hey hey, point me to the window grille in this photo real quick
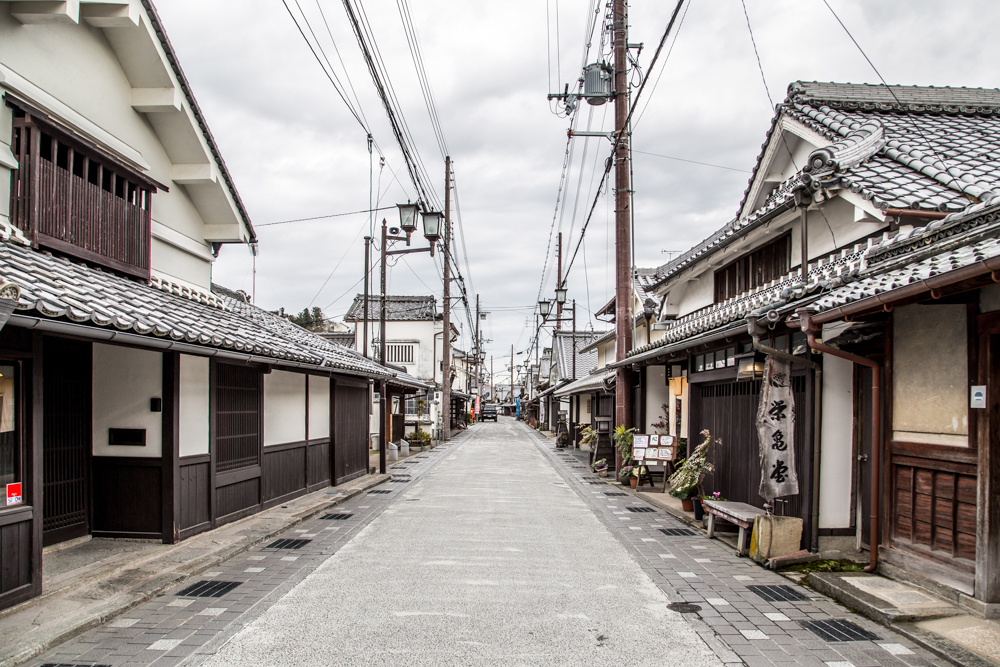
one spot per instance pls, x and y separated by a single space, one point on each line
237 417
399 353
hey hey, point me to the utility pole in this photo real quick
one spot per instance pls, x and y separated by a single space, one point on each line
623 231
479 380
559 280
512 373
446 298
383 409
364 337
493 383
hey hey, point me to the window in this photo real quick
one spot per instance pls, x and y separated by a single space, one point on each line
11 447
715 360
237 417
396 353
757 268
77 200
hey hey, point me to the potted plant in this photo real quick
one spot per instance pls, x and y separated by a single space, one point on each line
625 476
600 467
690 474
588 437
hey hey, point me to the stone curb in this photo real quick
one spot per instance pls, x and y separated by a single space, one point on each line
941 647
155 585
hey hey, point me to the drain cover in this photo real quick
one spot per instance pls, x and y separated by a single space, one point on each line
778 593
330 517
72 664
676 532
614 493
379 491
208 589
839 630
399 481
640 510
287 544
684 607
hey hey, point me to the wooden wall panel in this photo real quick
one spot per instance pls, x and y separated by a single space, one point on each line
284 471
195 481
934 502
237 500
127 496
15 556
319 463
350 431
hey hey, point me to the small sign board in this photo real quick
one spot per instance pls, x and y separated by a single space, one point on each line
14 493
653 447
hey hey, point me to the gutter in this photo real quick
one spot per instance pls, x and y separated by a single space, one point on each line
96 334
811 326
679 345
756 330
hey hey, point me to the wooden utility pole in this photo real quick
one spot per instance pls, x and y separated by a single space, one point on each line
623 221
559 281
446 307
512 373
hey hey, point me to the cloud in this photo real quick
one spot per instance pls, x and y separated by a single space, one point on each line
295 150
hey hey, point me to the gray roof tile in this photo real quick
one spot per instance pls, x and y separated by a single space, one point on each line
398 308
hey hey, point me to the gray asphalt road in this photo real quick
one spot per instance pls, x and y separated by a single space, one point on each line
489 559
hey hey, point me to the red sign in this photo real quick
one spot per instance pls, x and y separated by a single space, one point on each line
14 493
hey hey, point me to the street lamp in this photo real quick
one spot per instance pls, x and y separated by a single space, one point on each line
560 295
544 307
407 217
408 223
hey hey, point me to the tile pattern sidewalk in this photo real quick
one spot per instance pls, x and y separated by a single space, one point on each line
740 626
172 628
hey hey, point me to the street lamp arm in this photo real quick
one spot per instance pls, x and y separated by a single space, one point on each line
410 250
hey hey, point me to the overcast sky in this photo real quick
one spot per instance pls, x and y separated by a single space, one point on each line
295 151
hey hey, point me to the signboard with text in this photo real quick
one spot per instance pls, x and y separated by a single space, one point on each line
14 493
653 448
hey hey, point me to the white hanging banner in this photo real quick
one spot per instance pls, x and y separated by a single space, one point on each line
776 428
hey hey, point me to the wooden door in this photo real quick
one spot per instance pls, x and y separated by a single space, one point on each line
349 415
66 438
863 449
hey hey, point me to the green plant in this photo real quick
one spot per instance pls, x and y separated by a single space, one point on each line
691 472
588 436
420 438
663 426
626 471
599 464
715 495
622 438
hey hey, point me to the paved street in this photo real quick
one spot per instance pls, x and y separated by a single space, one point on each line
495 549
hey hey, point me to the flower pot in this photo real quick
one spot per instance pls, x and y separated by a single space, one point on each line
633 481
699 511
603 472
687 504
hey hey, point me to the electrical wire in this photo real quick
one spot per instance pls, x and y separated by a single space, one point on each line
704 164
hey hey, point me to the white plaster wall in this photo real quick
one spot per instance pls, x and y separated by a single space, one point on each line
319 407
173 261
836 457
420 334
700 292
77 65
657 393
124 380
284 407
194 405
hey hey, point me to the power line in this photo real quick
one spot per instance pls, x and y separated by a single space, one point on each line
704 164
324 217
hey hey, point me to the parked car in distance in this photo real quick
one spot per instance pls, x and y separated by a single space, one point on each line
489 412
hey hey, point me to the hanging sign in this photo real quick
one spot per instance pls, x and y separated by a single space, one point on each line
776 429
14 493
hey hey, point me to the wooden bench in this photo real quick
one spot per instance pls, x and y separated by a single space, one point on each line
741 514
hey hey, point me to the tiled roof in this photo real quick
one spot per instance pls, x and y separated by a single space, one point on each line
56 288
836 267
934 149
398 308
587 384
585 361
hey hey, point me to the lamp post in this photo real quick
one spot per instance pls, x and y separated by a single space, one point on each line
407 223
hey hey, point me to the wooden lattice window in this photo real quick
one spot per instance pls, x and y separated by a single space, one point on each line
69 196
238 425
767 263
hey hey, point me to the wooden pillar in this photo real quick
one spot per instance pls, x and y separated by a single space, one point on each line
170 426
36 460
988 434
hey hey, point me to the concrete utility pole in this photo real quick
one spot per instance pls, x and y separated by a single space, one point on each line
476 351
559 280
623 222
364 336
446 298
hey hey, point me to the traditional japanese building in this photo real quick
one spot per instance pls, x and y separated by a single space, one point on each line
865 211
138 399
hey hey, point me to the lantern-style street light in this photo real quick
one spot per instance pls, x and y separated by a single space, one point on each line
560 295
545 307
407 223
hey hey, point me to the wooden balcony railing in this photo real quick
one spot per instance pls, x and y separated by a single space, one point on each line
70 197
